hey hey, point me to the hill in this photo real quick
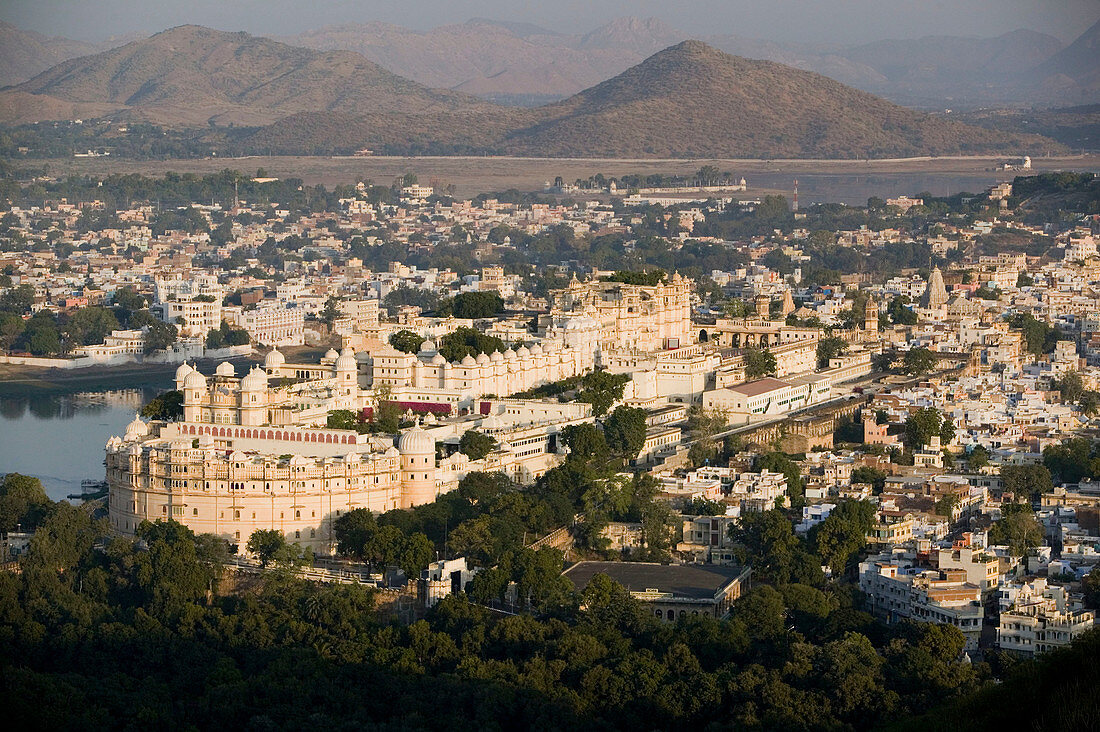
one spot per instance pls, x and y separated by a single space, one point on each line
25 53
1075 71
196 76
508 62
691 100
523 64
688 100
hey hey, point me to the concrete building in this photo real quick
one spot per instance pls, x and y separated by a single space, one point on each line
670 591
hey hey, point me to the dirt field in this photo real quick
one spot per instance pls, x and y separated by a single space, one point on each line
473 175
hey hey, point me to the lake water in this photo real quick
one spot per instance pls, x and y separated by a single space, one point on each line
59 438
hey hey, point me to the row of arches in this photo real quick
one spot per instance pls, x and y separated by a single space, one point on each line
249 433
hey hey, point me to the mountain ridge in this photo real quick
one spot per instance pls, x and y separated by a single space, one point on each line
687 100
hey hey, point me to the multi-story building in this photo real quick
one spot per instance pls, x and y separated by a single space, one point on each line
270 323
1037 617
253 452
897 589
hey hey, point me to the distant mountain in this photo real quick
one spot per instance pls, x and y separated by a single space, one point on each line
194 76
517 62
503 61
692 100
25 53
1075 71
689 100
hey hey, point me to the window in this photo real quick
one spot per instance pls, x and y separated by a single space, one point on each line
194 512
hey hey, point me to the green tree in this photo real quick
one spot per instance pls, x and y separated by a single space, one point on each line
417 553
90 326
1039 337
406 341
759 362
331 311
866 474
167 406
918 361
23 502
1073 460
923 424
270 546
978 458
602 389
899 314
1026 480
1018 528
476 445
778 462
472 305
625 431
1071 387
464 342
829 348
843 534
585 442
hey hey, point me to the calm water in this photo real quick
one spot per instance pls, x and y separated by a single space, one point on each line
59 438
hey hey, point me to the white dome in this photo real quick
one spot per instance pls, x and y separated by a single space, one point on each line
194 380
482 359
438 360
496 357
225 369
416 442
256 380
536 350
136 429
332 354
346 361
509 355
468 360
274 359
428 346
183 371
522 352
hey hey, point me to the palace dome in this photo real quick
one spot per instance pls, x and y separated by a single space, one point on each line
274 359
346 361
136 429
225 369
416 442
256 380
194 380
183 371
482 359
468 360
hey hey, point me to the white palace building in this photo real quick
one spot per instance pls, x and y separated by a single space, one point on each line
253 452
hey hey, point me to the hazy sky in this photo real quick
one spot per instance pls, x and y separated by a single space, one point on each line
815 21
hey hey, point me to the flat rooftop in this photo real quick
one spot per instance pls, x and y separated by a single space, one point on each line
692 581
760 386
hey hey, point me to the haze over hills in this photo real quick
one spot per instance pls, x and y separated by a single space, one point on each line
496 61
26 53
688 100
691 100
197 76
524 64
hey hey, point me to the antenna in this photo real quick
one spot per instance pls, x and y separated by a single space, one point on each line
795 206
